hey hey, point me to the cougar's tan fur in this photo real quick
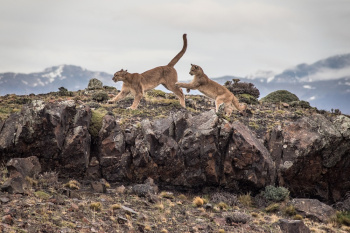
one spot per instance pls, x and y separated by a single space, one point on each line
138 84
212 89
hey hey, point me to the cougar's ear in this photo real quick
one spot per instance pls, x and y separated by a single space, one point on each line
126 70
196 67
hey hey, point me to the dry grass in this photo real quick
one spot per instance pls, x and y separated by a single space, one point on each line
198 201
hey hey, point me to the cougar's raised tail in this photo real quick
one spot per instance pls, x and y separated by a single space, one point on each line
180 54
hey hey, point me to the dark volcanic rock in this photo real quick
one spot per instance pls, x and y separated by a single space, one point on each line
312 156
115 161
55 133
308 155
247 164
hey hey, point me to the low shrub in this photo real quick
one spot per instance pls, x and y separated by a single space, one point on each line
289 210
275 193
280 96
343 218
274 207
72 184
96 206
96 121
156 93
245 199
62 91
248 99
198 202
100 96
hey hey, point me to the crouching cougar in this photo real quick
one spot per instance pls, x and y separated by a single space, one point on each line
213 90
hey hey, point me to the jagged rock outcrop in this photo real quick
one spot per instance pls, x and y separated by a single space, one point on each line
186 150
312 156
308 155
55 133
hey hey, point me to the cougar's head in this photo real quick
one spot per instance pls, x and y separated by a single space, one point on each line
195 69
120 75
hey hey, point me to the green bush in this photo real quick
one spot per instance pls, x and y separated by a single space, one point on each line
156 93
23 101
275 193
238 88
343 218
290 210
109 88
96 121
301 104
62 91
248 99
280 96
100 96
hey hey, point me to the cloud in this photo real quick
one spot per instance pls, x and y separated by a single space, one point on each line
327 74
308 87
210 16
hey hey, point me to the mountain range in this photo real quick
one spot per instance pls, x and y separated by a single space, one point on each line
325 83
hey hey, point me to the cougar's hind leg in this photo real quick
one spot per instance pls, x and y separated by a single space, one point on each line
218 102
235 102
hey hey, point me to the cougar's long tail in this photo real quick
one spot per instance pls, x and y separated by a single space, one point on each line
180 54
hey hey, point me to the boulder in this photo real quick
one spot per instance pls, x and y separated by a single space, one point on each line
16 183
29 166
293 226
99 186
94 84
313 209
237 217
19 169
311 156
146 189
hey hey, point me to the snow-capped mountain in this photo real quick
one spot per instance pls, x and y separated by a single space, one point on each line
325 83
68 76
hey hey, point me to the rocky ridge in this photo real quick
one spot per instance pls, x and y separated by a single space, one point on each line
305 152
192 151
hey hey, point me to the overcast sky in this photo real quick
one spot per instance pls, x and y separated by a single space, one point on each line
225 37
